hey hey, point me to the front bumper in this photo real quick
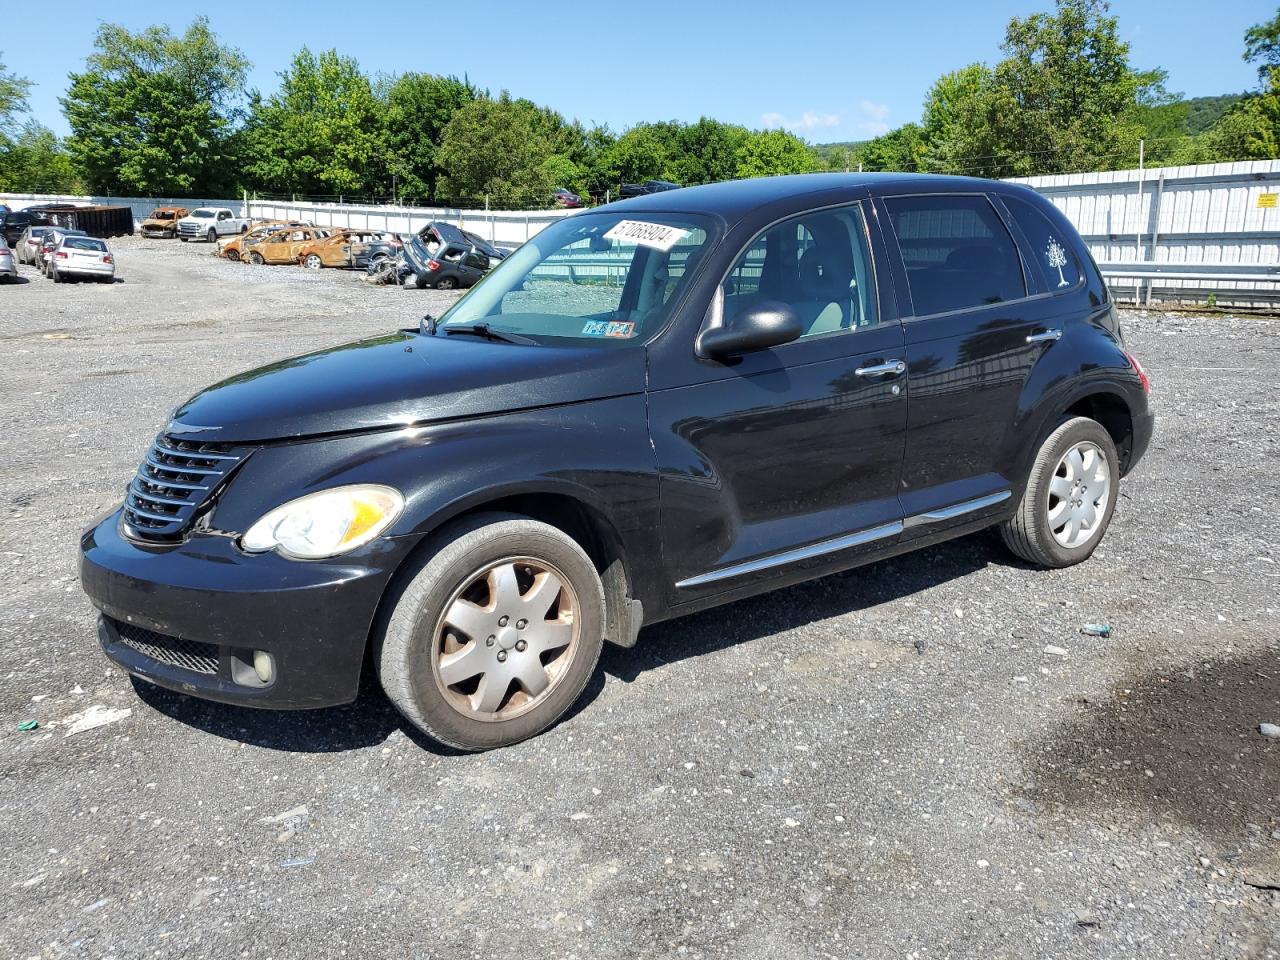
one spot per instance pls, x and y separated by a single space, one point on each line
313 618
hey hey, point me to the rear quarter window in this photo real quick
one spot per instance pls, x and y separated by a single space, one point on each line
1048 245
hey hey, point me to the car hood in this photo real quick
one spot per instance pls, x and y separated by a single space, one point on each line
402 379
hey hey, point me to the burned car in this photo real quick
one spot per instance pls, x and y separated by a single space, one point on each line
358 249
163 222
444 257
282 246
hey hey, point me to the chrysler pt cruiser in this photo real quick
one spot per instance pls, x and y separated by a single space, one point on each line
650 408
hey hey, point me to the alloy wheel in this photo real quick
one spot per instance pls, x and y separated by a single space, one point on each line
506 637
1078 494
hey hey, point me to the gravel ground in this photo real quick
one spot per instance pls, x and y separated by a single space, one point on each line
886 763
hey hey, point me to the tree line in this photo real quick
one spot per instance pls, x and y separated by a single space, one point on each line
155 113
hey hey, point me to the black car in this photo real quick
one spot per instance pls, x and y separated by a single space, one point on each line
648 409
14 223
630 190
444 257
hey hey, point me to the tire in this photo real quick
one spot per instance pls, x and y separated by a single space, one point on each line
244 228
212 235
233 255
446 283
420 281
184 239
54 275
412 639
256 259
312 261
1040 530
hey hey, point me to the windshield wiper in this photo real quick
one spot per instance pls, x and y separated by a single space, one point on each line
486 331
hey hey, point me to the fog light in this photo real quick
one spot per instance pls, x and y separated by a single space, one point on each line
264 666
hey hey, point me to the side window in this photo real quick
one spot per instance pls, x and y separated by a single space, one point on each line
817 263
958 252
1060 266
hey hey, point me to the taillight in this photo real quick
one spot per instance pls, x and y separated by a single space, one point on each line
62 254
106 258
1142 374
433 264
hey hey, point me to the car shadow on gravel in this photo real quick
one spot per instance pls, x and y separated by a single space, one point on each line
792 607
371 718
1178 745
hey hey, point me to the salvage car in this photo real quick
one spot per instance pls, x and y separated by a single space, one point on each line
233 249
13 223
648 409
349 248
49 243
8 262
27 249
77 258
283 246
163 222
446 257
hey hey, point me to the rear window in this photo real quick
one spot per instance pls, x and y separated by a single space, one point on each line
1060 266
84 243
957 252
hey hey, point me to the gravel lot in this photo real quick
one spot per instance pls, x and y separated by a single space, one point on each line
885 763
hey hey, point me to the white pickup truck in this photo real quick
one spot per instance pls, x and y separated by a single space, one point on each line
210 223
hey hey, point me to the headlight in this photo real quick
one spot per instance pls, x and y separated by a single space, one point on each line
327 523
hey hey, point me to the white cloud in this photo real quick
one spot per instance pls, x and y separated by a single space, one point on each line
809 120
874 118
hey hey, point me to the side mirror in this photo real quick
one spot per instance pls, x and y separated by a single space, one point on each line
767 324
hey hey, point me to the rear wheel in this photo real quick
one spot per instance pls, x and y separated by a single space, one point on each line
212 235
256 259
495 635
1069 498
233 254
446 283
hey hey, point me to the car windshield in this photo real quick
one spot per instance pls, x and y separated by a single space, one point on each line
596 277
163 215
204 214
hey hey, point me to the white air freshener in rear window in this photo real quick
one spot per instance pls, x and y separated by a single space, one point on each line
656 235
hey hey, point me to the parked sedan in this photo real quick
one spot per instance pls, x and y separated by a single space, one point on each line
28 246
349 248
82 258
8 265
50 243
566 198
283 246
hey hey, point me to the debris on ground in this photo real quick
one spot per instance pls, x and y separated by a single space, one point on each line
96 716
1096 630
1269 730
296 814
298 862
1054 651
29 725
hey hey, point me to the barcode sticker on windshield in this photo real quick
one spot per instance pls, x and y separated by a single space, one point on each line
656 235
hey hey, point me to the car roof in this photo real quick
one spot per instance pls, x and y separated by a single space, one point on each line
731 199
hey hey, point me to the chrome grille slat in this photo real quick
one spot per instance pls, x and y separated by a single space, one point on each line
162 501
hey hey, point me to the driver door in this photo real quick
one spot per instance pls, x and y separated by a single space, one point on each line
789 456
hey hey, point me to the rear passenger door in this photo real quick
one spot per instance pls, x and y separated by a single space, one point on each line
973 318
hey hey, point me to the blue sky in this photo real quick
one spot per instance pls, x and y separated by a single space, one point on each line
826 70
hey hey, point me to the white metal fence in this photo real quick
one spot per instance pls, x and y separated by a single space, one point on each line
1192 233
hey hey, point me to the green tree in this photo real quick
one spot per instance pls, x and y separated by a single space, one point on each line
768 153
509 150
1262 47
13 99
902 150
418 108
37 162
958 121
152 113
321 133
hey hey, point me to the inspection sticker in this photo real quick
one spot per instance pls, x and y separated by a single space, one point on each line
656 235
609 328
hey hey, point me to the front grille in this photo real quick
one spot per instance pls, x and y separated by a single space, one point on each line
185 654
175 479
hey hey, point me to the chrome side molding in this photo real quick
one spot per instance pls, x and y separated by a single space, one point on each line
957 510
796 555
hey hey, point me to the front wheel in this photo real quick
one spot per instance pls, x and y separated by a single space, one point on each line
184 239
495 636
233 255
1069 498
312 261
256 259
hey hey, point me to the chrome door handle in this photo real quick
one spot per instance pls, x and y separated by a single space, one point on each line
876 369
1044 335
